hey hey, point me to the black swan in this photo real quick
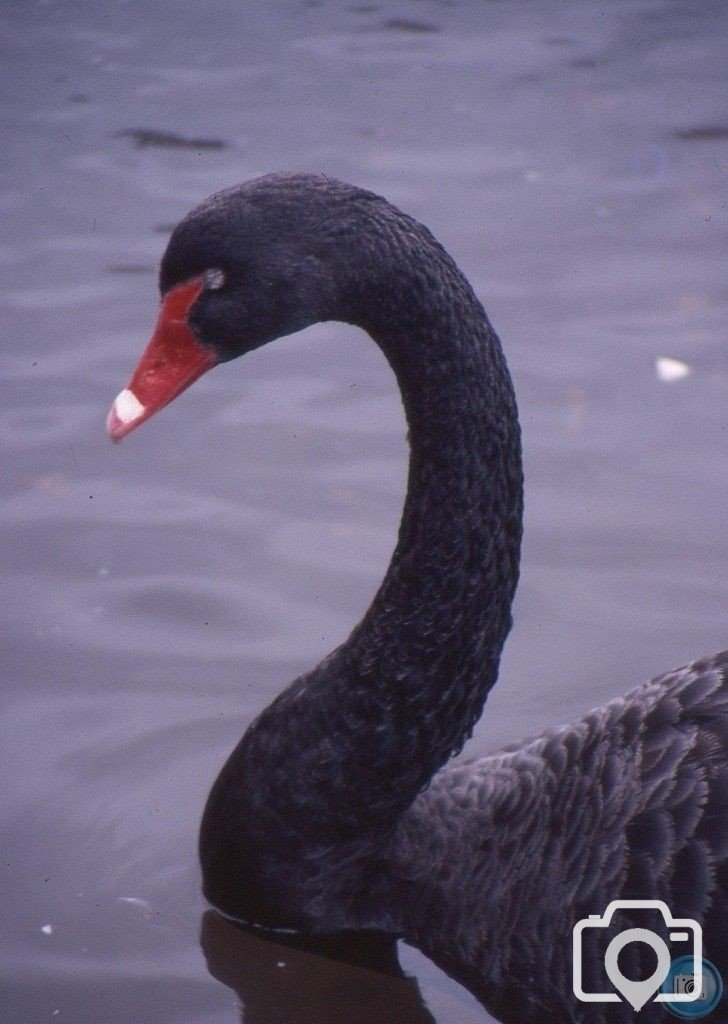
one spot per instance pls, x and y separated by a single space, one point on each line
334 812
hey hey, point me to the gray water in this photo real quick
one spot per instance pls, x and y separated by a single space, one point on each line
574 160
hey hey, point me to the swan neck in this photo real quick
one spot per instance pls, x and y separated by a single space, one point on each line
436 627
324 774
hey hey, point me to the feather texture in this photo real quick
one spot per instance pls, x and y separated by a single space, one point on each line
495 862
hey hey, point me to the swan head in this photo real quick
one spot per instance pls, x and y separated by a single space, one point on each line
250 264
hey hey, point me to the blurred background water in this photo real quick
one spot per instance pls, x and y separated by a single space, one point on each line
574 160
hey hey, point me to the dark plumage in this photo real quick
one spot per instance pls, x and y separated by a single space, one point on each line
498 858
329 814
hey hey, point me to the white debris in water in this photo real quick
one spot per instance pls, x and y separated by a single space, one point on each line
47 929
669 369
281 963
136 901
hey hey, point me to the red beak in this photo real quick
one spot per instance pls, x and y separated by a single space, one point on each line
173 360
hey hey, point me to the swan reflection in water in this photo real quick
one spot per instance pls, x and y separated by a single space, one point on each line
346 979
338 811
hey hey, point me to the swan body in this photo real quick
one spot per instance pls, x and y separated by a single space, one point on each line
335 812
631 802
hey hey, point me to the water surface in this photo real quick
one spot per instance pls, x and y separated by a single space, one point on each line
574 160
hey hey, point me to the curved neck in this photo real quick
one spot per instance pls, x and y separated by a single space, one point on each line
321 777
432 638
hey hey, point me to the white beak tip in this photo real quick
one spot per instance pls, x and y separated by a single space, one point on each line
125 412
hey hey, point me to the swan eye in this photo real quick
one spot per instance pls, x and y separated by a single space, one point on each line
214 279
